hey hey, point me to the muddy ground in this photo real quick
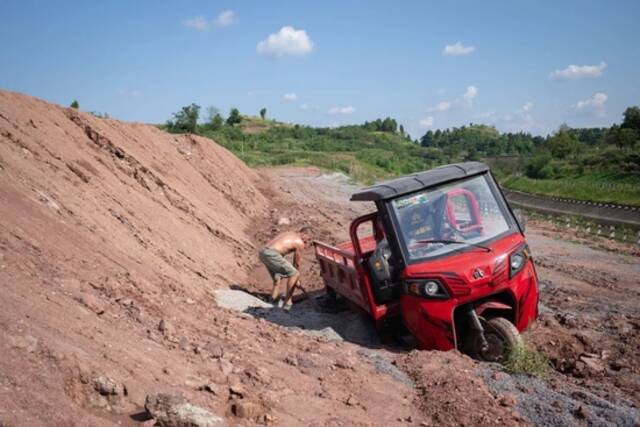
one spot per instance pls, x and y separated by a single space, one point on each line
128 268
589 325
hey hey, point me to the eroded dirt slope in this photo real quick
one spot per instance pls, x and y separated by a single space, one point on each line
105 228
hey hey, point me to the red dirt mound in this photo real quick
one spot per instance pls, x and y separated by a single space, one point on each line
104 227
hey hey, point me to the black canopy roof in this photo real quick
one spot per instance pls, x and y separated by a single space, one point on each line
417 181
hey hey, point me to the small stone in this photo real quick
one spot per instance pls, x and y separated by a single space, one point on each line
582 413
193 382
246 409
214 350
291 360
284 221
237 389
268 418
508 400
166 327
184 344
109 387
175 411
592 363
93 303
500 376
352 401
346 363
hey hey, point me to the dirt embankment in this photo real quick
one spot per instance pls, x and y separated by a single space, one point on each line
105 229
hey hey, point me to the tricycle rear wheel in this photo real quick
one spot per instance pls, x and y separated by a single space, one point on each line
501 336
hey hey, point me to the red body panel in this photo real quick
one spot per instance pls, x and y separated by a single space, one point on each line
431 321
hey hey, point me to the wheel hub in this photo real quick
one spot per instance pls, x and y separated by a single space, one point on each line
494 351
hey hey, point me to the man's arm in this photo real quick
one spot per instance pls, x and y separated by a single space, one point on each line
297 255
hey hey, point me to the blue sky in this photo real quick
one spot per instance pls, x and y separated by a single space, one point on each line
520 65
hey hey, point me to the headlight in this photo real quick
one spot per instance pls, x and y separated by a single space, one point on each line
429 288
517 260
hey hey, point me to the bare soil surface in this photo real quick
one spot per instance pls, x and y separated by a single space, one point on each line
121 246
588 326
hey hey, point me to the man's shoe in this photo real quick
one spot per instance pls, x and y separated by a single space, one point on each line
287 307
280 303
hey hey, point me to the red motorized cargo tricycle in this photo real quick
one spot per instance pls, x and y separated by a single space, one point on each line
446 255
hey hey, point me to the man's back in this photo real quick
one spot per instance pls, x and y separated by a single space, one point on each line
286 242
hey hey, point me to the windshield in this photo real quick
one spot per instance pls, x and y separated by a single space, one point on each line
434 222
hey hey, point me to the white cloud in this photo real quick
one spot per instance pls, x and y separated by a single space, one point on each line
198 23
469 95
225 18
594 104
132 93
290 96
307 107
441 106
527 107
341 110
457 49
287 41
427 122
579 71
471 92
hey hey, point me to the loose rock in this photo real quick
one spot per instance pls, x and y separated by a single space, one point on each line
175 411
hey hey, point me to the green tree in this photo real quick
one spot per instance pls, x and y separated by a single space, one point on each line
631 118
622 137
562 144
75 104
185 120
263 113
216 123
389 125
211 113
234 117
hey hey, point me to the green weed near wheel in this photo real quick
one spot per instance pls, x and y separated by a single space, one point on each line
521 360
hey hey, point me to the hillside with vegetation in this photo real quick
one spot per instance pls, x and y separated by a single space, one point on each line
597 164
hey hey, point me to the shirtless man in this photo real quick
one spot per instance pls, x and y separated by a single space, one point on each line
273 254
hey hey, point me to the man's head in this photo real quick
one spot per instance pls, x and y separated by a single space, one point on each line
306 233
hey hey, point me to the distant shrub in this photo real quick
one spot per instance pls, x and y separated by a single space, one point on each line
539 166
185 120
234 117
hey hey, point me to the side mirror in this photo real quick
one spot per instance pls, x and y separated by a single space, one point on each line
522 221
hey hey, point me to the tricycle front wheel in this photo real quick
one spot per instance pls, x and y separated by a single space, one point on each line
501 336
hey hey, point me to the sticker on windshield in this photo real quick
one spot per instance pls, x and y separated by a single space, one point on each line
418 199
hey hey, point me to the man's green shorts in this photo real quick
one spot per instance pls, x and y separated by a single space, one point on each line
277 265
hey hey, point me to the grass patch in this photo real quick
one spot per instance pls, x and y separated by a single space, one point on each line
524 361
596 187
